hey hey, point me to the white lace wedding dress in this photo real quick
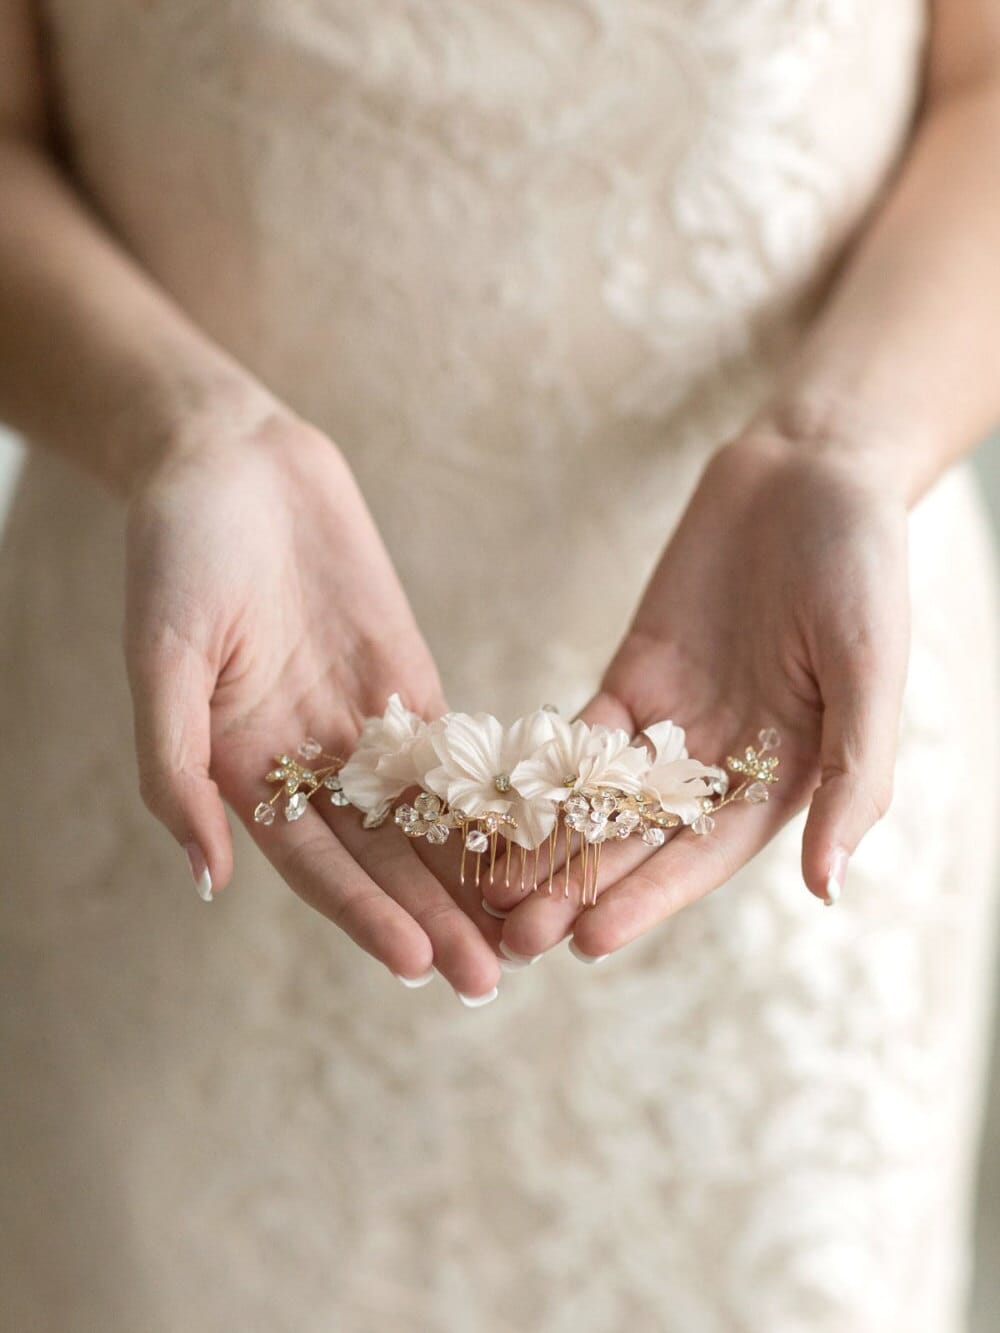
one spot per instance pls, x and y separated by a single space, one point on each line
528 262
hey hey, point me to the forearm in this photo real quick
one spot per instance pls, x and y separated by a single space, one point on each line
903 362
96 361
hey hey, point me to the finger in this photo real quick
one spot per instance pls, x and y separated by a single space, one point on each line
543 920
862 694
310 858
171 686
681 872
460 952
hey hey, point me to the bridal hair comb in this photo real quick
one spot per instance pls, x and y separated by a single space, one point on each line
524 783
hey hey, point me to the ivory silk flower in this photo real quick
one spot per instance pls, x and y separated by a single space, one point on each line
478 756
578 755
392 754
677 782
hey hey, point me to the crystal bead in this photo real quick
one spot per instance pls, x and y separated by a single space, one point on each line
502 782
620 830
653 836
277 775
756 793
438 833
310 749
264 814
491 823
576 805
339 797
332 781
405 814
595 832
296 807
768 738
598 819
703 824
577 820
427 804
628 820
604 802
476 841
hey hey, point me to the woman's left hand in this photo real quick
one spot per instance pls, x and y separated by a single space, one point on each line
781 600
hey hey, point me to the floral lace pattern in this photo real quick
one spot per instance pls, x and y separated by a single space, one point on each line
522 259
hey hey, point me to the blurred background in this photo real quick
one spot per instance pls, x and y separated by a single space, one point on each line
986 1291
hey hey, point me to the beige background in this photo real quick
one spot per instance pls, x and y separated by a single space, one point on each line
986 1296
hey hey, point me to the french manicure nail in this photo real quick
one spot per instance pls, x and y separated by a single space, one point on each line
517 960
414 983
835 879
200 871
477 1001
577 952
490 910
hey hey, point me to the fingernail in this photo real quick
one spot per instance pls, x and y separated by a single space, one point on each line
490 910
577 952
515 961
477 1001
835 879
199 869
414 983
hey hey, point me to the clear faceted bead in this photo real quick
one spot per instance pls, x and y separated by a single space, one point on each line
264 813
332 781
653 836
598 819
604 803
502 782
596 832
576 805
768 738
427 804
577 820
476 841
756 793
296 807
438 833
338 797
703 824
405 814
310 749
627 819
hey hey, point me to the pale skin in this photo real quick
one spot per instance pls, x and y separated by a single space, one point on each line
241 636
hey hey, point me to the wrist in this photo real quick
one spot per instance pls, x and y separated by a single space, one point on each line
838 434
169 424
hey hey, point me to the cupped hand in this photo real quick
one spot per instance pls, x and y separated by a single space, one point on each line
781 600
262 607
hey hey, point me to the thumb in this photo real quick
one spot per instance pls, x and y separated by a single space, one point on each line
172 687
857 758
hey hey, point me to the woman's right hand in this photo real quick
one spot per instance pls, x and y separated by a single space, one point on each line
262 607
